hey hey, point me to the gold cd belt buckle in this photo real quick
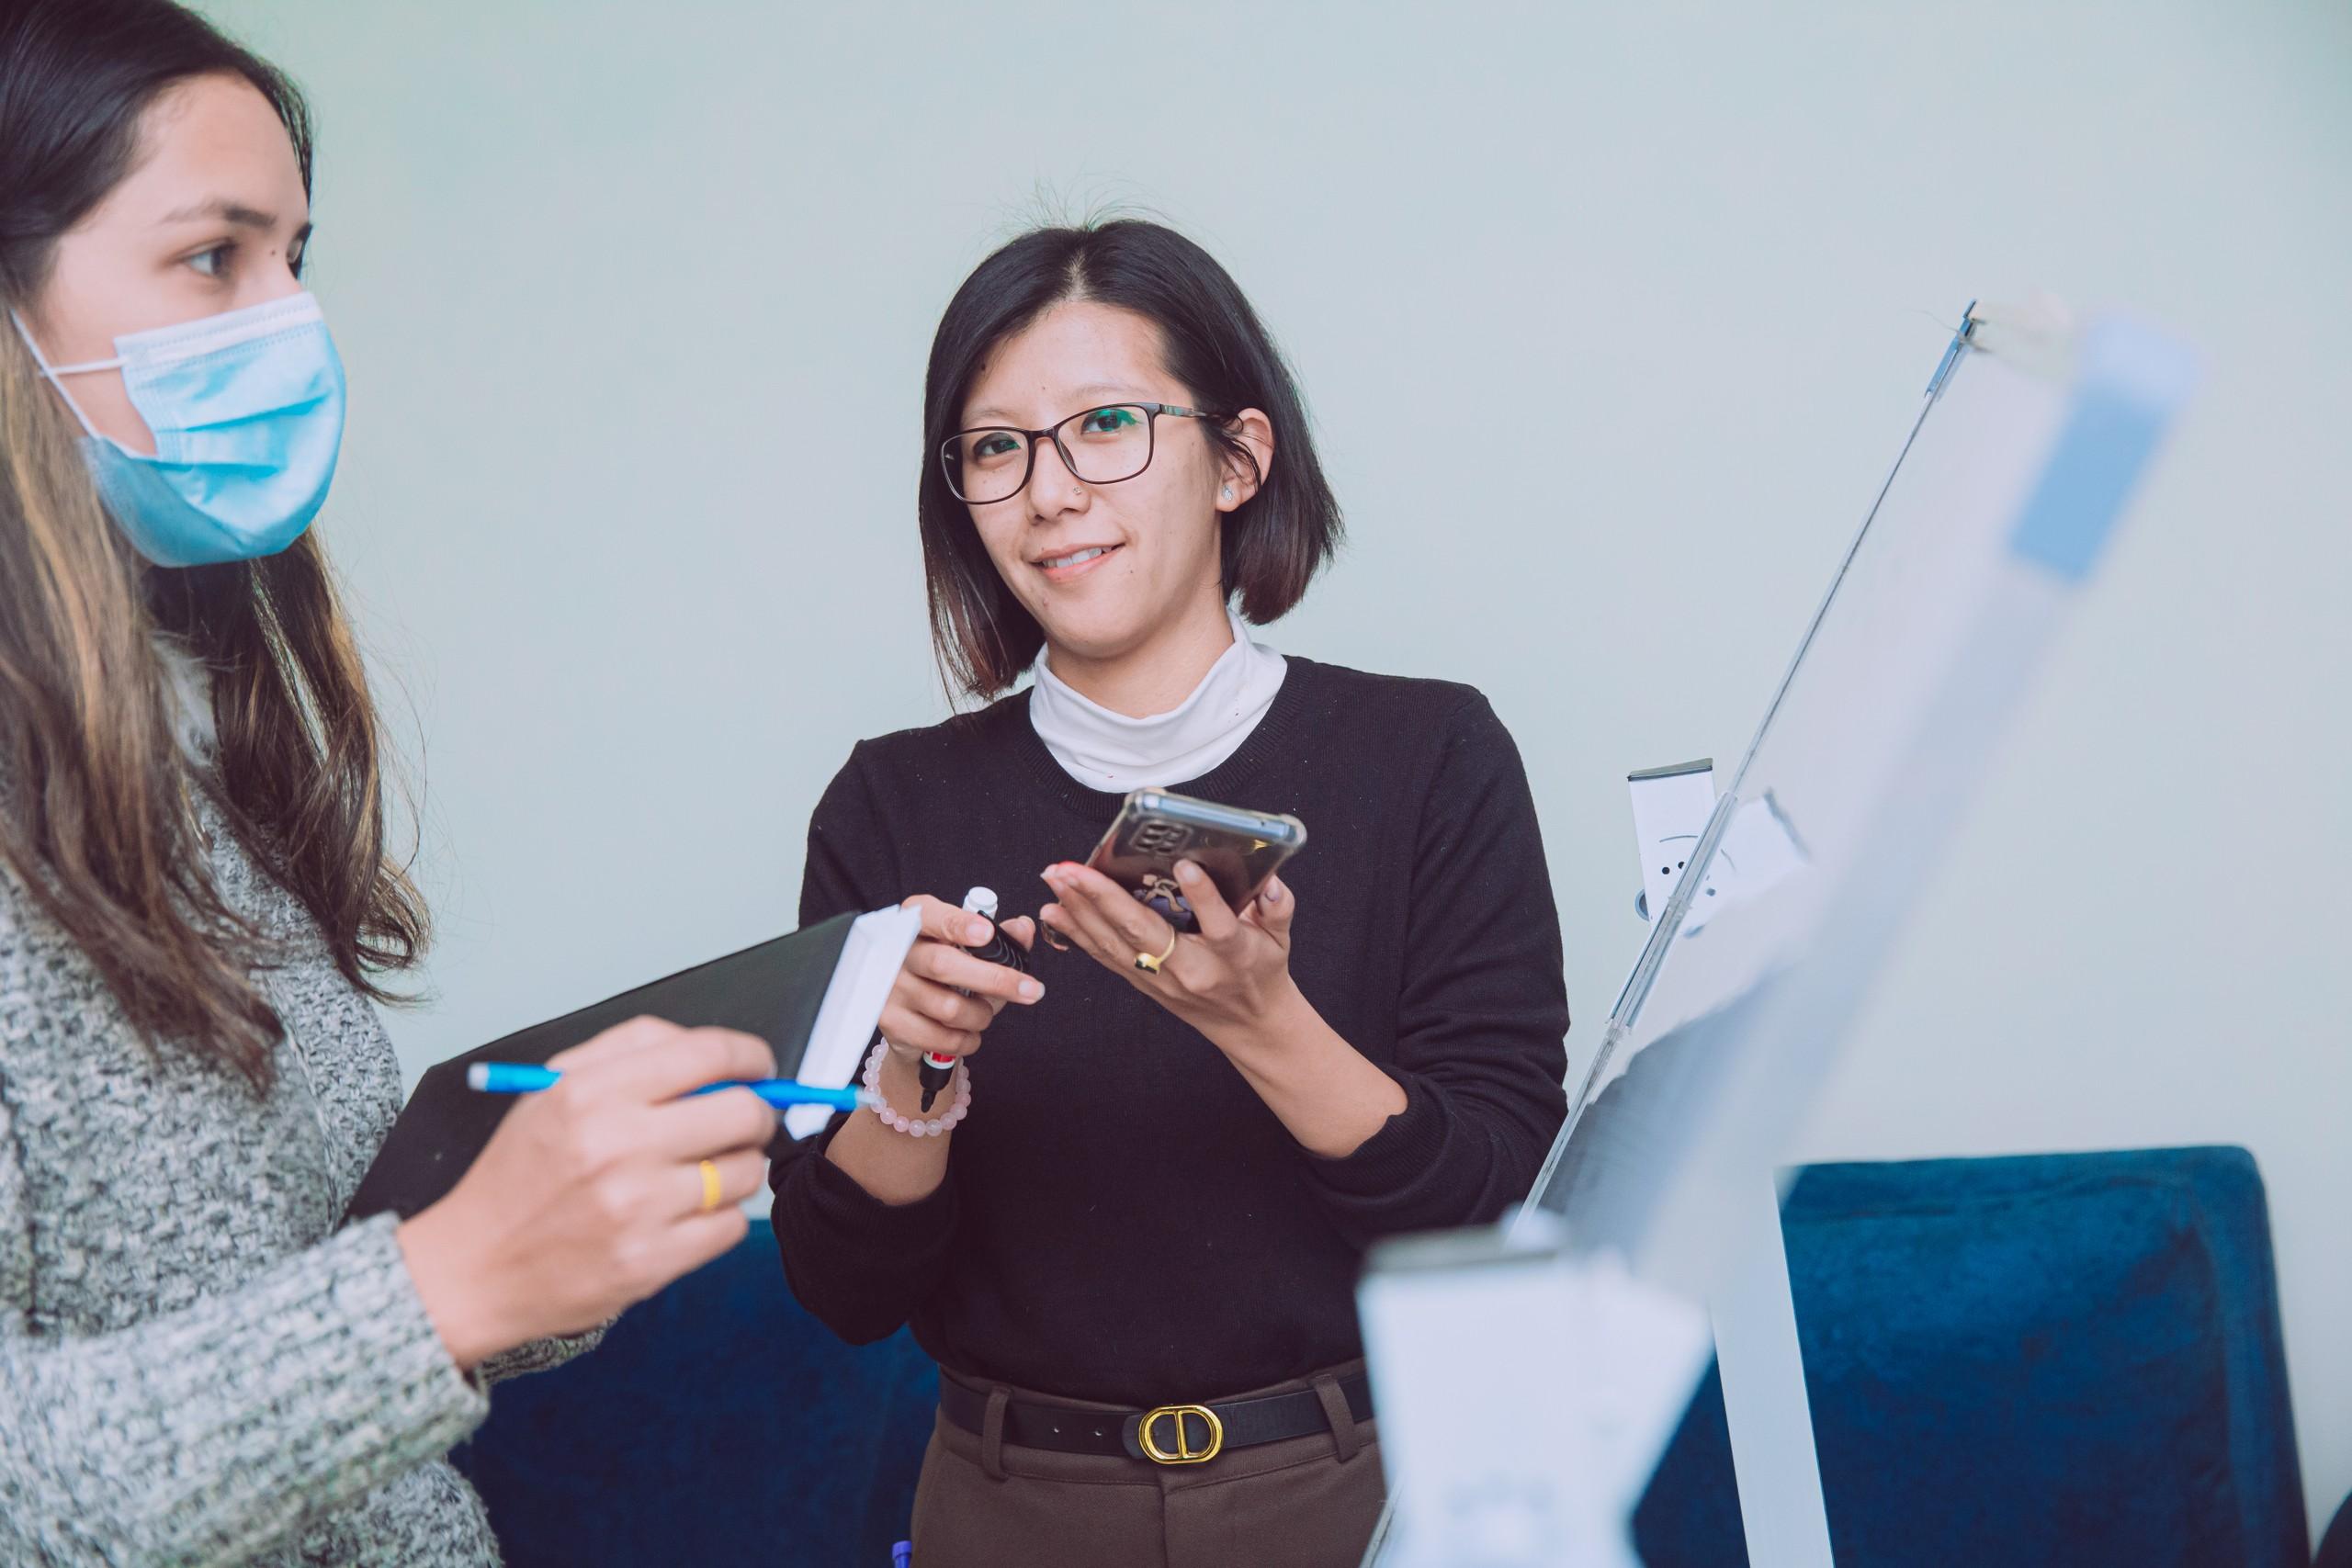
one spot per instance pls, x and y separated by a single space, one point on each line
1184 1452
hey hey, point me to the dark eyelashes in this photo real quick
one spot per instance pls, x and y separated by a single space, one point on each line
223 258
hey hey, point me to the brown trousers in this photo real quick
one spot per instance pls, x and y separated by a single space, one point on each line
1303 1503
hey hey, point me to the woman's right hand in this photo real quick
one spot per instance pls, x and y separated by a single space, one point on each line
589 1196
926 1012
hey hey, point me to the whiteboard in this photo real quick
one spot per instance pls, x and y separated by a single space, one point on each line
2032 436
2030 441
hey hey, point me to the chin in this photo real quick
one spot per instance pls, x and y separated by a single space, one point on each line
1096 637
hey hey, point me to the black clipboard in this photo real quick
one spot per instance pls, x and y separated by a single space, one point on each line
773 990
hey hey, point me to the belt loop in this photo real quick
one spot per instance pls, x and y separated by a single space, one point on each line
992 1433
1336 1411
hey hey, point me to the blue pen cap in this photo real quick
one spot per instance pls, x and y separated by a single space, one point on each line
902 1554
510 1077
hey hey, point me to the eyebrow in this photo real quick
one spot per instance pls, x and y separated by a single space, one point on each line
228 211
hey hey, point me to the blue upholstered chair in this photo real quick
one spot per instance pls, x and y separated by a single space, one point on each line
2059 1359
718 1423
2052 1362
2335 1546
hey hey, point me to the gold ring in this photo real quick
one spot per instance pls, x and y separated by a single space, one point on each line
712 1192
1150 966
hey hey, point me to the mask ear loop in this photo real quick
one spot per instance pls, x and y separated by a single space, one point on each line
53 372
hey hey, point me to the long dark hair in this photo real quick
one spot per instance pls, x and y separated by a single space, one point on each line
96 819
1271 545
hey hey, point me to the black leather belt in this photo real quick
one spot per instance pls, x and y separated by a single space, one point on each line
1168 1434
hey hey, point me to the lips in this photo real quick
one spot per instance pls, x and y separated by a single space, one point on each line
1068 564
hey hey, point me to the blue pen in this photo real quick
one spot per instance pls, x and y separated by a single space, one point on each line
516 1078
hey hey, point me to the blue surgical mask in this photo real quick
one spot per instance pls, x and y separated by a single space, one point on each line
246 410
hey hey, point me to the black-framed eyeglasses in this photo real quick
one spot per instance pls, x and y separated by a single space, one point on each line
1100 446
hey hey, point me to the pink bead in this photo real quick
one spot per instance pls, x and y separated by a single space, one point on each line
937 1126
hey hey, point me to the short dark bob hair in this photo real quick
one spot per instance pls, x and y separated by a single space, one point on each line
1272 543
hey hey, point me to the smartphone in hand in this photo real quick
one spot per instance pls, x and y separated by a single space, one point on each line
1240 850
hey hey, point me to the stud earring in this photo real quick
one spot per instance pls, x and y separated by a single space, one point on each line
1228 492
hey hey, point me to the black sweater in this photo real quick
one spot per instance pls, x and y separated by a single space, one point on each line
1123 1218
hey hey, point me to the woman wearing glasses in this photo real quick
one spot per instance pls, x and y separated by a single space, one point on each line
1131 1236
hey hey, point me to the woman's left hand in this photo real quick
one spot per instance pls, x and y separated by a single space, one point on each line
1232 982
1229 980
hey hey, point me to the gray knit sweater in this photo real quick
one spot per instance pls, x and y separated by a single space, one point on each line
196 1366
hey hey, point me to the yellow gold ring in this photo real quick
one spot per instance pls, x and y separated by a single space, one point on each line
712 1192
1150 966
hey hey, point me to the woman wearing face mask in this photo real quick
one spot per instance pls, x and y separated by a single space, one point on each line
1155 1188
197 1364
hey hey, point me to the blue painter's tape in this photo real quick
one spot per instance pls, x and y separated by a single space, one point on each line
2107 442
2131 382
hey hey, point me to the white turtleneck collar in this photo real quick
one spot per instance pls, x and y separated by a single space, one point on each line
1108 751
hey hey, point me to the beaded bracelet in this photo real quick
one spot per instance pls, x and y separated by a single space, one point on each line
915 1127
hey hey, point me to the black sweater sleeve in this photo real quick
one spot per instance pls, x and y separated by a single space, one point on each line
860 1265
1482 1007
